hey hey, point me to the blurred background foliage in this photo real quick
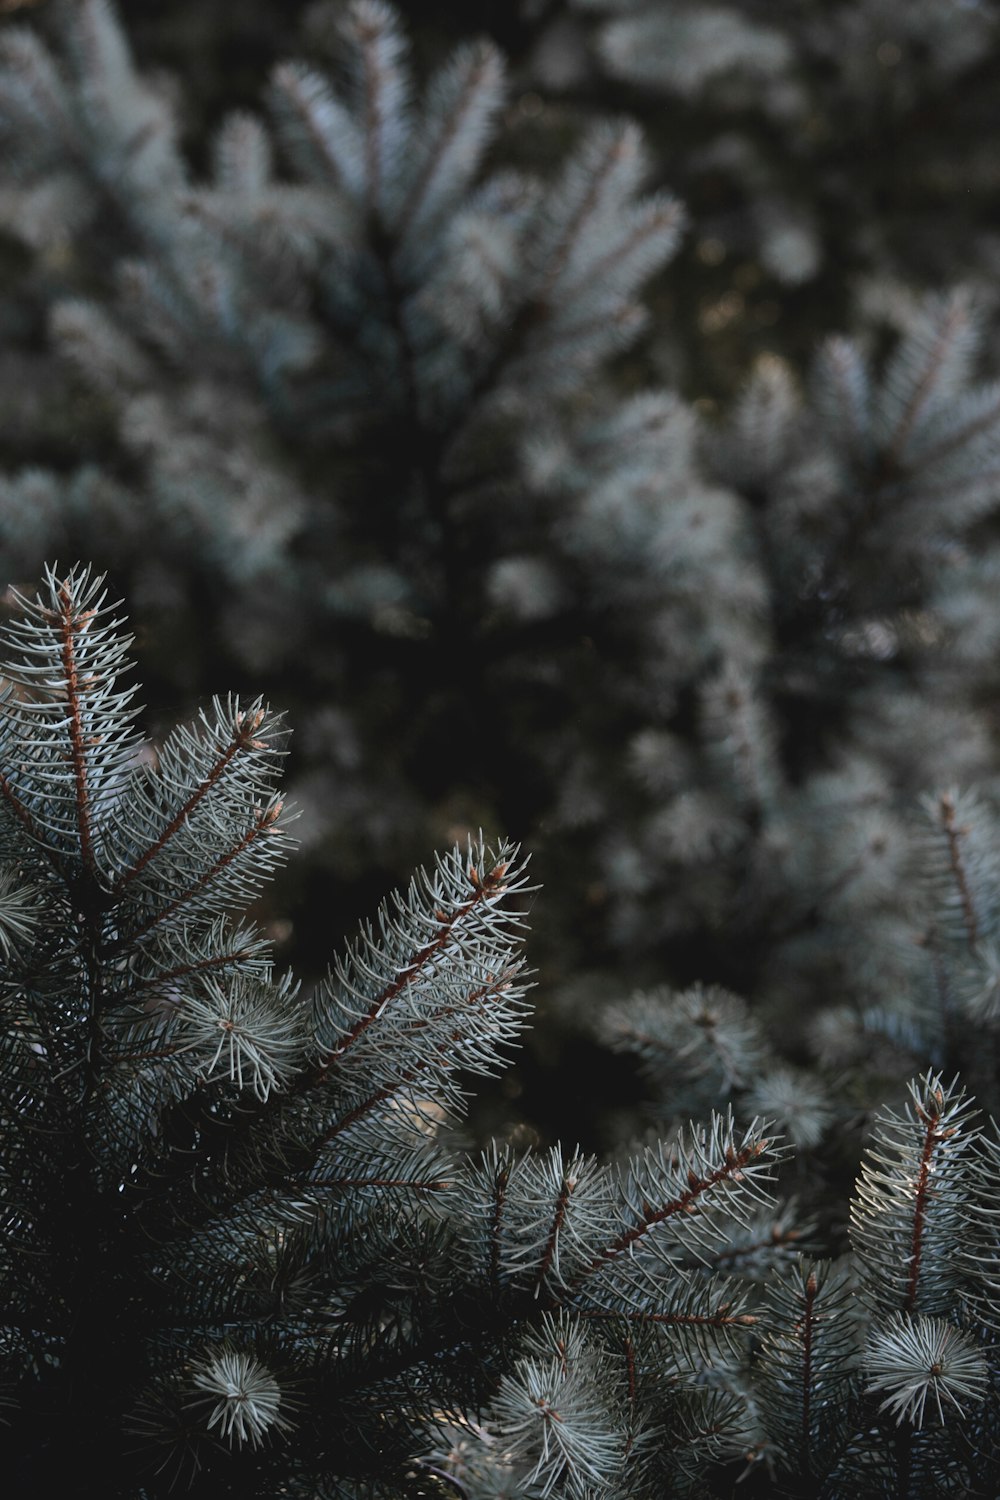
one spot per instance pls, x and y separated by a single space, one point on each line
594 685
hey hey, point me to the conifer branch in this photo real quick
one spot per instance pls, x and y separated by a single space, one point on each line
655 221
21 812
496 986
721 1317
366 378
327 126
364 1108
245 728
730 1170
264 823
481 72
628 1350
369 24
954 322
954 834
778 1237
616 148
911 1185
344 1184
932 1137
807 1334
838 362
205 964
71 623
486 888
558 1214
961 434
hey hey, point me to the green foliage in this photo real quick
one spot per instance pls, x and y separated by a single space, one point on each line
383 377
390 380
186 1144
241 1250
244 1254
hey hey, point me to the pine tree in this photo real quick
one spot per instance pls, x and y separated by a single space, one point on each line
241 1255
378 427
401 397
339 413
244 1254
801 121
864 870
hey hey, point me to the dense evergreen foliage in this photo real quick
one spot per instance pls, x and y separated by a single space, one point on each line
581 417
243 1254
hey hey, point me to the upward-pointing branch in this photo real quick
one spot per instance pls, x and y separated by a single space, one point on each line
243 738
71 625
487 886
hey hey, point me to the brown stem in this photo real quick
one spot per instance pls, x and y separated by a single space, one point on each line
812 1289
426 173
669 214
565 1192
722 1318
730 1168
167 976
243 737
486 887
341 1183
499 1199
931 1139
493 985
264 820
954 834
367 36
956 318
70 626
